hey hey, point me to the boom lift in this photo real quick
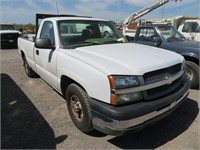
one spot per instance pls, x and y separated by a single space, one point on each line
130 24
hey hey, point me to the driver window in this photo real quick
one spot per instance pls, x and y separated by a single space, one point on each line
147 34
48 32
190 27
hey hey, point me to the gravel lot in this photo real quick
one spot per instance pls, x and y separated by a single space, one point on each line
33 115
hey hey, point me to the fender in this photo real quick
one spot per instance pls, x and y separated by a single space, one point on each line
94 82
189 54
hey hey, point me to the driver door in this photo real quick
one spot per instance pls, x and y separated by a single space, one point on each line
46 59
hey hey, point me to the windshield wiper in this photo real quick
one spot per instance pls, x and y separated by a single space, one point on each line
110 42
120 40
82 45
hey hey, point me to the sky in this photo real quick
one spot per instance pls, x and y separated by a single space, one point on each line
23 11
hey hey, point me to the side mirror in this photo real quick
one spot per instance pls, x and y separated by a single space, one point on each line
20 29
157 41
44 44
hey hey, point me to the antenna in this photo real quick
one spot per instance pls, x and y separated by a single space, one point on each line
57 7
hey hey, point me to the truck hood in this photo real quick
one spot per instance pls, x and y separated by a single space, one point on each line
9 31
126 58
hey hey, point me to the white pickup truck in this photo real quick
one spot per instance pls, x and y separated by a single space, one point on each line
109 85
8 36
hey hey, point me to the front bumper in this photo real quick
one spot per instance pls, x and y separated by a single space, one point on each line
117 120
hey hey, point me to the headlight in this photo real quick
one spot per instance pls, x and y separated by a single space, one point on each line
123 82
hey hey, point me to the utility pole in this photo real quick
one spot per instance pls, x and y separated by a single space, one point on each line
163 11
57 7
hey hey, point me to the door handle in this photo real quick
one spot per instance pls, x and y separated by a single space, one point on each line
37 52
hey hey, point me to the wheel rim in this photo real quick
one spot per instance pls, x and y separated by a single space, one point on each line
76 108
190 74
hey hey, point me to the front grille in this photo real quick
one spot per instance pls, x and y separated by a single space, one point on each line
154 76
163 90
160 75
9 40
9 36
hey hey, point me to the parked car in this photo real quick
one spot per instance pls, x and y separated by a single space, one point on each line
109 84
167 37
188 26
9 36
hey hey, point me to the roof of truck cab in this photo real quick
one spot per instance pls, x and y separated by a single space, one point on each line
73 18
155 25
192 20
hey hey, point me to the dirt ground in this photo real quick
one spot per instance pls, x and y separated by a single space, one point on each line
34 116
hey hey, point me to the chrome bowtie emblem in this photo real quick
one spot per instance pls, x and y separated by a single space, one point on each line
168 79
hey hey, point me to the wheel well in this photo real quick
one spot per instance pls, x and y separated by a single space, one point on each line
22 55
188 58
65 82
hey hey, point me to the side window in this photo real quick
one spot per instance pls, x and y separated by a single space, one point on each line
147 34
191 27
48 32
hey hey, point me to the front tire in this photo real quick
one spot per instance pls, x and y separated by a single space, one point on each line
79 108
193 73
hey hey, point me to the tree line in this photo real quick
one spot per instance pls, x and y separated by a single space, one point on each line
27 28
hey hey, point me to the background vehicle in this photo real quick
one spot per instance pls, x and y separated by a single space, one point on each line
188 26
109 84
190 29
130 24
9 36
167 37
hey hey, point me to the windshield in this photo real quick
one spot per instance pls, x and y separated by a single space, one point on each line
170 33
6 27
77 33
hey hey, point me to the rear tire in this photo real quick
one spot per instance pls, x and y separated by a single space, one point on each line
28 70
193 73
79 108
